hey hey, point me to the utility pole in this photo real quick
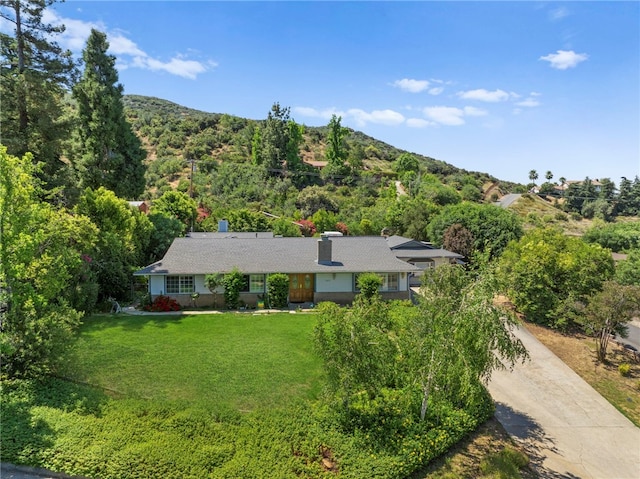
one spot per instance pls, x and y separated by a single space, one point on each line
193 168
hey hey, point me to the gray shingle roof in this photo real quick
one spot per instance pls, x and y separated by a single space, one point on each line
409 248
426 253
350 254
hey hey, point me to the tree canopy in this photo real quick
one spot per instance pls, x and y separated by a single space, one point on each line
35 74
45 272
492 227
106 152
545 272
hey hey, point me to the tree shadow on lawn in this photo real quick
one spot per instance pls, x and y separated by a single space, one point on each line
535 441
25 436
128 322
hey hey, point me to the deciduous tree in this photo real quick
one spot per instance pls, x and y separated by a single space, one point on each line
123 240
458 239
336 152
175 204
607 313
546 271
43 262
492 227
457 336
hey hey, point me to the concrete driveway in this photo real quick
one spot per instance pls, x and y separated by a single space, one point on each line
566 427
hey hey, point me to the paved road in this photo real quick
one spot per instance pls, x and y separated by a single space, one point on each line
9 471
566 427
633 336
506 200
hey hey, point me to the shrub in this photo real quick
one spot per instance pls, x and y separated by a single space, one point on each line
624 369
506 463
232 283
369 284
162 304
277 290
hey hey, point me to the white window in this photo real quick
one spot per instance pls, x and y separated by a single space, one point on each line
179 284
256 283
389 282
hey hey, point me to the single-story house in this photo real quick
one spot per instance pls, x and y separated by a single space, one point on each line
421 254
140 206
319 269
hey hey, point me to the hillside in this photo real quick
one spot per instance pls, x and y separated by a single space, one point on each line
173 133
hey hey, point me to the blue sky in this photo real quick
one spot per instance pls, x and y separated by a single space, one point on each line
498 87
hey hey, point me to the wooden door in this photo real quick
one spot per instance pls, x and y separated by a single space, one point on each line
300 288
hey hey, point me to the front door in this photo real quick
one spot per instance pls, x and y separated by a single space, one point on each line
300 288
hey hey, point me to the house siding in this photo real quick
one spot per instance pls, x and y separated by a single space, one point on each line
156 285
343 283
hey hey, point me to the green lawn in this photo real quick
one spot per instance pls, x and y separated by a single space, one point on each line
243 360
218 396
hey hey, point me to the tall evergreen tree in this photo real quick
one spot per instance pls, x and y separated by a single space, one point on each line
336 153
275 138
106 152
35 75
625 197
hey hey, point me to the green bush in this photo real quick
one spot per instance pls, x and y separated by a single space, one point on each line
369 285
80 431
233 283
624 369
504 464
278 290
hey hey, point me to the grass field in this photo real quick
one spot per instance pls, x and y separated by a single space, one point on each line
242 360
209 395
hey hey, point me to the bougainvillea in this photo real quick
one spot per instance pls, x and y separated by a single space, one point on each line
162 304
307 227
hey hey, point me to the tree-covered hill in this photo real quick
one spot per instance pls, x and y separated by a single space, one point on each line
173 134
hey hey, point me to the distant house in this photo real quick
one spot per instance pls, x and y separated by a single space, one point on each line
597 185
140 206
421 254
319 269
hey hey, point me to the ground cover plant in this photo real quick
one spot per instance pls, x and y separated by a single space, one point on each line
224 395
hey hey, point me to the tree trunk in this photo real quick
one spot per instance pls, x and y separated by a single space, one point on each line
22 98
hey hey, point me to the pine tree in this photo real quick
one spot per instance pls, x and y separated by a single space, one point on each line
35 76
106 152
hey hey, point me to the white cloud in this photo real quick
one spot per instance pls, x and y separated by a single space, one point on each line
485 95
176 66
418 123
529 102
436 90
445 115
381 117
558 13
563 59
358 116
473 111
313 113
412 86
128 54
120 45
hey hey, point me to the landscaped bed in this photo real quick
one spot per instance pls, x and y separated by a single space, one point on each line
225 395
